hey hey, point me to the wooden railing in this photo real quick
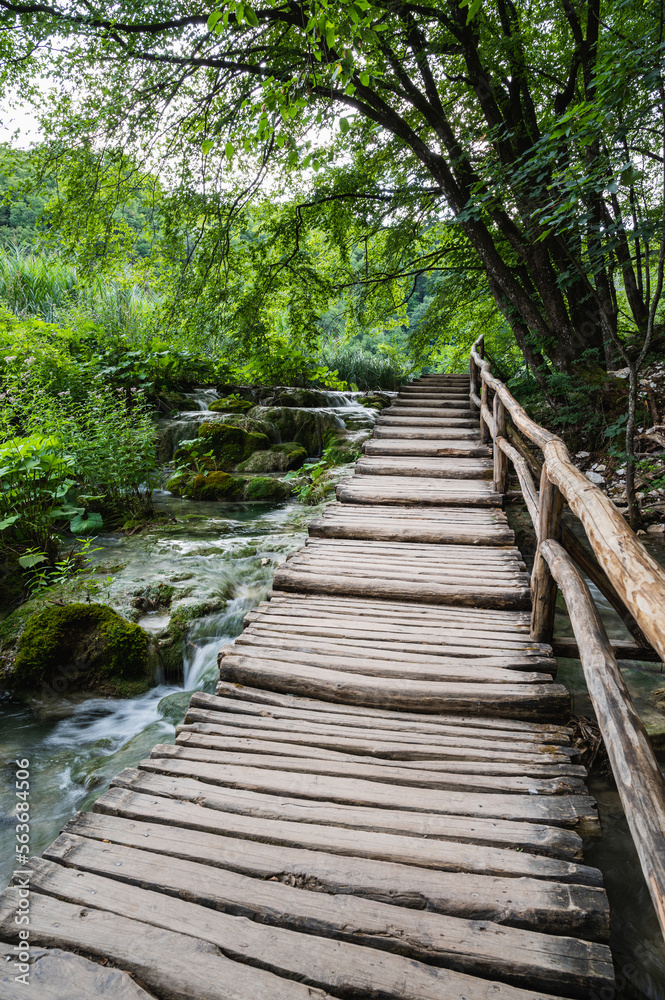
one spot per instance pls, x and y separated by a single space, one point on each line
623 571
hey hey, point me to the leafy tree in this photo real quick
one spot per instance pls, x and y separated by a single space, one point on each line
534 132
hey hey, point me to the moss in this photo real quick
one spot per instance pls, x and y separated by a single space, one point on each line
83 646
280 458
171 644
375 402
299 397
215 486
230 444
263 488
228 403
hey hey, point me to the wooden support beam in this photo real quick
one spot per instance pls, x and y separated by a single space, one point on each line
636 771
500 456
543 585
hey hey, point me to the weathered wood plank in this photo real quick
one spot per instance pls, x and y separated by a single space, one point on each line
248 809
514 700
576 964
176 966
54 974
551 733
577 811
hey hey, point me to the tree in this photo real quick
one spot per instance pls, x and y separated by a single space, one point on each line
534 130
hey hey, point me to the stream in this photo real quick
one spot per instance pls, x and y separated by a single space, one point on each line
226 554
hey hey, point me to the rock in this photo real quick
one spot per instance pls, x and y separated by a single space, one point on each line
376 401
595 477
299 397
70 647
656 529
173 707
206 486
228 403
582 454
279 458
230 444
306 426
263 488
171 643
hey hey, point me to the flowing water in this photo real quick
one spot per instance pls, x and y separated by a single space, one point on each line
216 553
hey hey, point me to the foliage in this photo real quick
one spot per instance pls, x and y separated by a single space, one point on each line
36 487
35 284
386 369
311 483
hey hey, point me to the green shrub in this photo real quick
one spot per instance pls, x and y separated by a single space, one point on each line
35 284
387 369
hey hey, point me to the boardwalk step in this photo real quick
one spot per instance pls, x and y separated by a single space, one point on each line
327 959
416 490
442 467
478 527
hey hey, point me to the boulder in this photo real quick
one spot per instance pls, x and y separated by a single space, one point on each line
207 485
70 647
269 490
230 444
306 426
375 401
228 403
279 458
298 397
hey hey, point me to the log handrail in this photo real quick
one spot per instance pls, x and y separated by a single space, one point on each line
634 574
639 780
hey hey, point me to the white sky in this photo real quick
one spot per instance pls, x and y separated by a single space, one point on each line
18 125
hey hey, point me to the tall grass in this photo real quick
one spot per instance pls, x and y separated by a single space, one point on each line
35 284
366 369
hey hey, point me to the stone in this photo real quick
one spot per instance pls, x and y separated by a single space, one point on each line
656 529
208 485
298 397
582 454
595 477
229 403
376 401
85 647
305 426
280 458
230 444
269 490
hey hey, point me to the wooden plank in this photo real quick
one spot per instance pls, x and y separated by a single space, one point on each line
576 811
404 490
513 700
344 528
449 433
186 803
479 670
264 635
176 966
431 746
435 593
270 753
487 950
54 974
552 733
452 726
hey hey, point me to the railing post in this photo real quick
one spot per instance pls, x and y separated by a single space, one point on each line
500 458
485 435
473 382
543 584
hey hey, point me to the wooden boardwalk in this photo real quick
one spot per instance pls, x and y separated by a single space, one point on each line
380 800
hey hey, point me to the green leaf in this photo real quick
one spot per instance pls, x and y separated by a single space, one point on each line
228 150
330 37
28 562
8 521
364 79
207 146
86 525
344 125
251 18
213 19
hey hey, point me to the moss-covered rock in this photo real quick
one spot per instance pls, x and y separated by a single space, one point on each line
230 444
171 642
304 426
263 488
280 458
298 397
375 401
81 647
229 404
206 486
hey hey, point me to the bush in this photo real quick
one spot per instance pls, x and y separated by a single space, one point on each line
36 284
386 370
